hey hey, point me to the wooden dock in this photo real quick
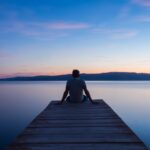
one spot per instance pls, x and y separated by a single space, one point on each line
77 127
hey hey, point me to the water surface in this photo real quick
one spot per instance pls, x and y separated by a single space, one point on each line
20 102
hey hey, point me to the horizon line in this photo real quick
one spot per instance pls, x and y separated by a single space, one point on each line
3 76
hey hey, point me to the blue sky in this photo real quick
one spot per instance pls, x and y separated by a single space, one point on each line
56 36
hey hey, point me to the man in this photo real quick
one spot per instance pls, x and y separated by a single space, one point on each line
75 88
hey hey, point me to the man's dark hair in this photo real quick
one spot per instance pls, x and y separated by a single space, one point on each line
76 73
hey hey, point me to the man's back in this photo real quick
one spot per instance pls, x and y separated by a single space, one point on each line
75 87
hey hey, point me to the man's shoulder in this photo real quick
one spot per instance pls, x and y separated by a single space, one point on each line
81 80
70 80
75 79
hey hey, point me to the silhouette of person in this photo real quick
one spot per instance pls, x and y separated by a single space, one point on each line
75 88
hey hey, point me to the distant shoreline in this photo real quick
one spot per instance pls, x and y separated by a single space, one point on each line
110 76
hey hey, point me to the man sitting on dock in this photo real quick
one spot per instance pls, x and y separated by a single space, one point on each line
75 88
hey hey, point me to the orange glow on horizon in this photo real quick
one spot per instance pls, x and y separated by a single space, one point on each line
93 71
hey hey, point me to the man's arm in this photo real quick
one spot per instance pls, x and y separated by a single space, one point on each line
88 95
64 96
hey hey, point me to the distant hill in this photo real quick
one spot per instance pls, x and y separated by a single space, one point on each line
124 76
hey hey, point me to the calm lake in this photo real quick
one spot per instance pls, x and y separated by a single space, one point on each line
20 102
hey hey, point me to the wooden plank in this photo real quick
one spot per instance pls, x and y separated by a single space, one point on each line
79 116
77 127
104 121
96 146
84 138
76 112
73 130
75 118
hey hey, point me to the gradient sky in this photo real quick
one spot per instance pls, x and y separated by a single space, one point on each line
56 36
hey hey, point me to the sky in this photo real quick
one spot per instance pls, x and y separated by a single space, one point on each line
51 37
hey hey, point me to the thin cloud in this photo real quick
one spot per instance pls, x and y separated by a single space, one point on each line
124 35
67 26
2 56
5 55
45 30
145 19
18 25
116 33
145 3
124 12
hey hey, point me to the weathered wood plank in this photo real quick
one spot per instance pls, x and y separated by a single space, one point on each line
96 146
74 130
76 112
74 118
71 138
105 120
77 127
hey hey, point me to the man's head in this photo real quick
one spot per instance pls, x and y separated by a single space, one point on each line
76 73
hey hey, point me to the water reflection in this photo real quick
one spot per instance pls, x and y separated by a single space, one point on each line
20 102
